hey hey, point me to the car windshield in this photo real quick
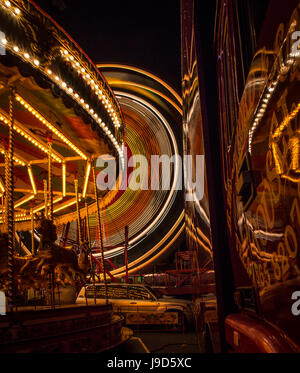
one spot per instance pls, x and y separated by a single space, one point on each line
151 291
121 292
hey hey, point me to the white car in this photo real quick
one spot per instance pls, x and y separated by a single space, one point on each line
138 304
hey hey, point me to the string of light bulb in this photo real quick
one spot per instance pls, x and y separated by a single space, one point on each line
94 86
20 130
270 87
52 128
68 89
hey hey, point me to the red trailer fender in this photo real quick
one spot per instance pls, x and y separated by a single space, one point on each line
252 335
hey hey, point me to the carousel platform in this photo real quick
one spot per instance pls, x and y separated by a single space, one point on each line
72 329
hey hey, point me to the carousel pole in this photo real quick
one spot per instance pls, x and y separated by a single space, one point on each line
4 207
46 197
32 227
87 224
3 210
90 249
78 211
50 214
9 181
100 234
89 239
50 193
126 252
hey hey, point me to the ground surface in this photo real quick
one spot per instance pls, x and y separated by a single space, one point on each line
158 342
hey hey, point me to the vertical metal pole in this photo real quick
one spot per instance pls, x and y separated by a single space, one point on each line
78 212
66 234
50 193
125 252
9 181
4 212
49 139
3 217
32 228
100 234
90 248
46 197
87 223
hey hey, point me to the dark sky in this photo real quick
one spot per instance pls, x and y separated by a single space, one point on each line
144 34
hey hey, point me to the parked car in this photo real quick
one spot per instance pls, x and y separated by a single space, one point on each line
139 304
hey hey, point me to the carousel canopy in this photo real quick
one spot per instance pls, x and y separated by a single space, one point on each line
58 93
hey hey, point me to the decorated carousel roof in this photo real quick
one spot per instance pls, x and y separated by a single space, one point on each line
58 91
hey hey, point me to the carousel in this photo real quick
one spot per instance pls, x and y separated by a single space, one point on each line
58 115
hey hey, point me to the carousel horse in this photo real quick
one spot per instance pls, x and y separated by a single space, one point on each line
33 270
62 261
23 275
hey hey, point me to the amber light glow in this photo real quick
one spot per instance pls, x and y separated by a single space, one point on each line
42 206
50 126
67 204
86 179
25 133
23 200
32 180
64 179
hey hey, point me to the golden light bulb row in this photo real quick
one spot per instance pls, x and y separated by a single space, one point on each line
269 90
17 160
49 126
90 110
91 82
36 63
30 139
15 11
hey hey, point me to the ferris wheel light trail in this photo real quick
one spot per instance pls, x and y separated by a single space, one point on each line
116 251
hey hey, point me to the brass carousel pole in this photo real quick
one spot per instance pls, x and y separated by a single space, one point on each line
100 234
87 223
50 214
32 228
4 209
32 240
126 252
50 193
90 249
78 211
46 197
9 182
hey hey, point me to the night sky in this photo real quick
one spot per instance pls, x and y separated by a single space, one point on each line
145 34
